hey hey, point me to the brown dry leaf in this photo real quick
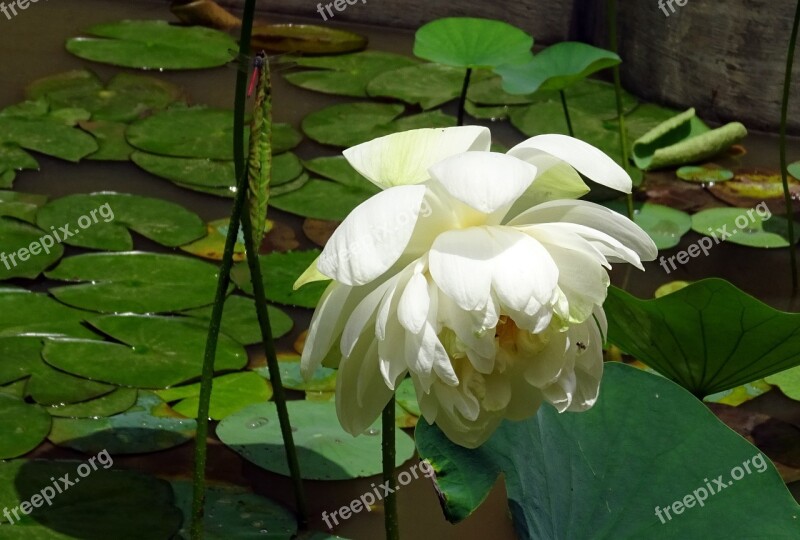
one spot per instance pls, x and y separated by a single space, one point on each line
280 238
205 13
300 342
751 186
319 231
664 188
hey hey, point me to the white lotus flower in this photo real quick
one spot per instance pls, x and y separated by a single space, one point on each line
477 273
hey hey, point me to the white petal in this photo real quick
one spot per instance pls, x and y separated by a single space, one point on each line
326 325
361 316
373 237
461 265
404 158
485 181
414 304
361 393
555 180
587 159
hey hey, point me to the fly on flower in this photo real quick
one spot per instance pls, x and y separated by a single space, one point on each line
490 300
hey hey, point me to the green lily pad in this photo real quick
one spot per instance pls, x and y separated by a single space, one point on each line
102 220
738 226
22 252
21 358
154 45
707 337
323 380
22 206
346 74
339 170
490 112
127 97
426 85
557 67
325 450
472 42
116 402
490 92
198 132
230 394
280 271
613 472
406 397
704 173
26 313
149 426
13 159
24 426
153 352
44 135
321 199
239 320
788 381
135 282
107 503
233 513
110 137
665 226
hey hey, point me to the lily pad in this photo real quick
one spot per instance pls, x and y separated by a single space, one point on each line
280 271
704 173
339 170
116 402
741 394
738 226
233 513
13 159
26 313
557 67
149 426
239 320
135 282
108 503
45 135
346 74
707 337
154 45
110 137
213 245
102 220
198 132
788 381
321 199
665 226
323 380
625 479
305 38
426 85
22 206
750 186
490 92
325 450
24 426
22 251
230 394
407 397
472 42
153 352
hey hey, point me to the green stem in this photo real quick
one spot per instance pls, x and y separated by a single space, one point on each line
201 439
388 447
623 132
274 370
566 112
463 101
787 196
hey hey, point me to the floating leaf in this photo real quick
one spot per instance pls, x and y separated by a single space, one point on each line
323 380
305 38
144 428
239 320
154 45
102 220
23 253
339 170
23 426
666 226
347 74
740 394
230 394
738 226
707 337
325 450
472 42
135 282
320 199
752 186
43 135
110 137
26 313
280 271
788 381
153 352
426 85
213 245
490 92
704 173
116 402
407 397
198 132
616 477
13 159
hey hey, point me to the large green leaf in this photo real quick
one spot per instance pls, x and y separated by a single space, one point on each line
240 321
346 74
556 68
426 85
472 42
707 337
106 503
135 282
154 45
280 271
152 352
23 253
325 450
102 220
230 394
602 474
26 313
44 135
23 426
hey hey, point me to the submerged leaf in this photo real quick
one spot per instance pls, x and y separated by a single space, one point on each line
305 38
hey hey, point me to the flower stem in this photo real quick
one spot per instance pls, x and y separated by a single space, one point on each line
463 101
274 370
787 196
201 439
388 447
623 132
566 112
